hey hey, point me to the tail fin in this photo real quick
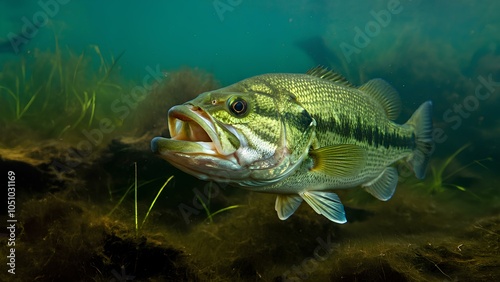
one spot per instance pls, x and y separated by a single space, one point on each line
421 121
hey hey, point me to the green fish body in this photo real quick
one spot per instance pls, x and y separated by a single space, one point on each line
299 136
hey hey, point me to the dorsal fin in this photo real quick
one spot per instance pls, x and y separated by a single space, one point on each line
330 75
385 94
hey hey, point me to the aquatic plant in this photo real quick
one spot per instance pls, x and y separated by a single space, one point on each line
178 87
54 92
16 92
136 186
206 206
436 182
152 203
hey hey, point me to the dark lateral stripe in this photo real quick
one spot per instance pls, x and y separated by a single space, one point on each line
300 121
362 133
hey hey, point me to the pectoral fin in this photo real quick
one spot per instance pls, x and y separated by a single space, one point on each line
286 205
327 204
339 160
384 185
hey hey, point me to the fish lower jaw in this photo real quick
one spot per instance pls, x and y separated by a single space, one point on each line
209 147
209 167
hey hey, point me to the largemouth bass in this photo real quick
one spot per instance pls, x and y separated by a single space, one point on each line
299 136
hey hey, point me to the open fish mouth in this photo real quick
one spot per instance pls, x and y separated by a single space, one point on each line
198 145
193 131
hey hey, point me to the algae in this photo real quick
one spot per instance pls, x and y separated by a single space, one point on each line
54 94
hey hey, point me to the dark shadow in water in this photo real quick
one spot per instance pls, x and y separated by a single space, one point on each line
316 48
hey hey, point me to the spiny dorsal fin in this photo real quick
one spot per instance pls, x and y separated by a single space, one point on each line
385 94
330 75
339 160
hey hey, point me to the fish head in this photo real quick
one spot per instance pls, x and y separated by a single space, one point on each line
235 136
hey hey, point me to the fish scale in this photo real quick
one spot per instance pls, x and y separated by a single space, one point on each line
331 104
301 136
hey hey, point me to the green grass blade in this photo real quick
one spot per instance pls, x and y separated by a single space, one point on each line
110 69
127 192
80 59
461 188
449 159
135 200
14 96
18 104
121 200
224 209
154 201
11 93
84 105
92 111
29 103
101 57
64 131
480 162
207 211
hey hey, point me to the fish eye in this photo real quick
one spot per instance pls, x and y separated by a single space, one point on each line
238 107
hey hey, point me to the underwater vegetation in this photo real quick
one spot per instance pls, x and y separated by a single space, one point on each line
118 214
205 203
178 87
72 240
440 173
99 229
135 198
135 187
57 93
122 219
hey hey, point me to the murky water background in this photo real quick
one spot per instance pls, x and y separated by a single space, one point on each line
84 86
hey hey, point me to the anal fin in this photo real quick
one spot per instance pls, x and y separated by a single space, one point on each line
286 205
327 204
383 186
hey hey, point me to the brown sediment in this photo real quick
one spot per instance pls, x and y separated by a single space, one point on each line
71 236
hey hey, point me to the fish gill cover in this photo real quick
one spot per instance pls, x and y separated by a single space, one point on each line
85 86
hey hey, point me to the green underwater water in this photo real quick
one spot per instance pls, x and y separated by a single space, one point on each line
79 106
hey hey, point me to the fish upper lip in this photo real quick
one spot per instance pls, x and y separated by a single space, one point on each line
190 123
